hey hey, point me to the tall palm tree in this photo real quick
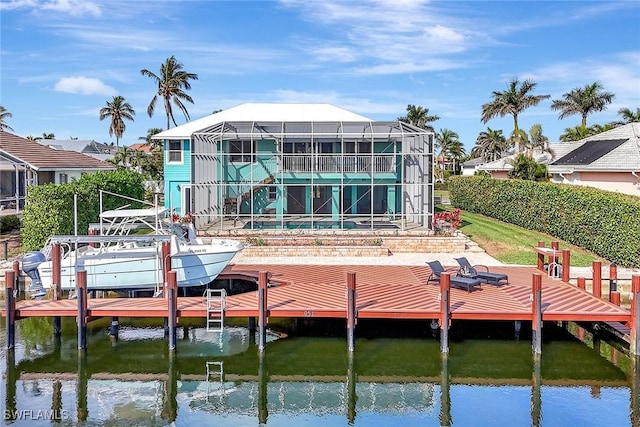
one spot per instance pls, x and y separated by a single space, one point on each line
419 116
536 140
490 145
171 82
153 143
513 101
583 101
4 115
47 136
629 116
450 146
118 109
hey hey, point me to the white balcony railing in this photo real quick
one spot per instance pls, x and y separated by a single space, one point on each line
338 163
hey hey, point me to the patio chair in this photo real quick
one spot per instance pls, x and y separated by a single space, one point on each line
468 270
460 282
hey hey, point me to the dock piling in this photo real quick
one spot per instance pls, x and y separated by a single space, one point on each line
81 292
536 307
172 301
597 279
613 278
445 310
566 265
262 310
9 286
16 273
635 315
351 311
56 276
540 257
582 283
114 328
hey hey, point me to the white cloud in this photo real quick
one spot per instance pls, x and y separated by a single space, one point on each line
71 7
83 86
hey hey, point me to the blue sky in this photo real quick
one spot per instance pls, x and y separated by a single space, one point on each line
63 59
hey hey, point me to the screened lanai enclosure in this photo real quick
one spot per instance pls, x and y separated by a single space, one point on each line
310 175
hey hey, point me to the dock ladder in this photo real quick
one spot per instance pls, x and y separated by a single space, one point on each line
215 370
216 302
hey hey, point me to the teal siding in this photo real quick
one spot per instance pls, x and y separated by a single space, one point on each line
175 176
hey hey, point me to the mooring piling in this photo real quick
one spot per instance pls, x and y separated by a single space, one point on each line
262 310
597 279
635 315
351 311
81 294
445 311
536 308
56 277
172 307
10 318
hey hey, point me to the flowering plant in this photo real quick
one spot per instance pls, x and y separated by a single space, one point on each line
445 223
185 219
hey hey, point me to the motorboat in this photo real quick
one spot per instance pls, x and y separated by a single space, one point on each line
126 254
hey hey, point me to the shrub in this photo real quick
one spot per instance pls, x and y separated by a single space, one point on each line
603 222
9 222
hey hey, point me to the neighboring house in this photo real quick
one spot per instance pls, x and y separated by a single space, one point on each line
261 165
24 162
144 147
89 147
471 166
609 160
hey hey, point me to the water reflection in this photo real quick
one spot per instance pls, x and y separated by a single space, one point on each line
314 381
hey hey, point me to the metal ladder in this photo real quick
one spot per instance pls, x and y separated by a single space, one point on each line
216 302
215 370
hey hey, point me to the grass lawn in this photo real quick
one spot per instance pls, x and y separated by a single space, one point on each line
512 244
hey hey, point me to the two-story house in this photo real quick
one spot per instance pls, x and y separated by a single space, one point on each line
261 165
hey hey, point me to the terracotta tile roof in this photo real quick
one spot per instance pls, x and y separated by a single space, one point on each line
41 157
140 147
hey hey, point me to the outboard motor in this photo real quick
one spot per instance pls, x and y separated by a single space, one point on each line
30 262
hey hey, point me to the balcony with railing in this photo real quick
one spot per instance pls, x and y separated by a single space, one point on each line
331 163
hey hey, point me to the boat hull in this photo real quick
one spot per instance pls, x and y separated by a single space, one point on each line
136 270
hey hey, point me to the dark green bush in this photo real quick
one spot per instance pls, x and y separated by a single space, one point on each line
603 222
49 208
9 222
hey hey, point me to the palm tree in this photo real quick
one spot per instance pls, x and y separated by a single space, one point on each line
171 82
629 116
122 158
419 116
450 146
4 115
583 101
118 109
153 143
490 145
47 136
576 133
513 101
538 141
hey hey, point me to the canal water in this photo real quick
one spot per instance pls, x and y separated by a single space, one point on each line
309 379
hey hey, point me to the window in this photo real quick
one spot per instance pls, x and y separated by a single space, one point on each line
241 152
174 153
64 178
273 191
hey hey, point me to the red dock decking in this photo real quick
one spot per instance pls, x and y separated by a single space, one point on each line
383 292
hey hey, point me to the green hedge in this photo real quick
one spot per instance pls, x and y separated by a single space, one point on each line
49 208
603 222
9 222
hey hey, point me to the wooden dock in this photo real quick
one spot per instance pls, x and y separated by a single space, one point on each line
380 292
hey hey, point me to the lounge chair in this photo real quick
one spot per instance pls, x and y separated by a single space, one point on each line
468 270
461 282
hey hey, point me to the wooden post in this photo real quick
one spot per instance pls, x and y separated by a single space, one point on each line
114 329
56 277
536 308
172 307
597 279
351 311
262 310
16 275
10 306
445 310
613 278
166 263
614 297
540 257
635 315
352 397
582 283
81 292
82 387
566 265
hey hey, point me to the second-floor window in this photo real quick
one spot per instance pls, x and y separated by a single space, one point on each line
174 152
241 152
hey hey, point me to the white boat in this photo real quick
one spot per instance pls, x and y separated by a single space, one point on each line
119 260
